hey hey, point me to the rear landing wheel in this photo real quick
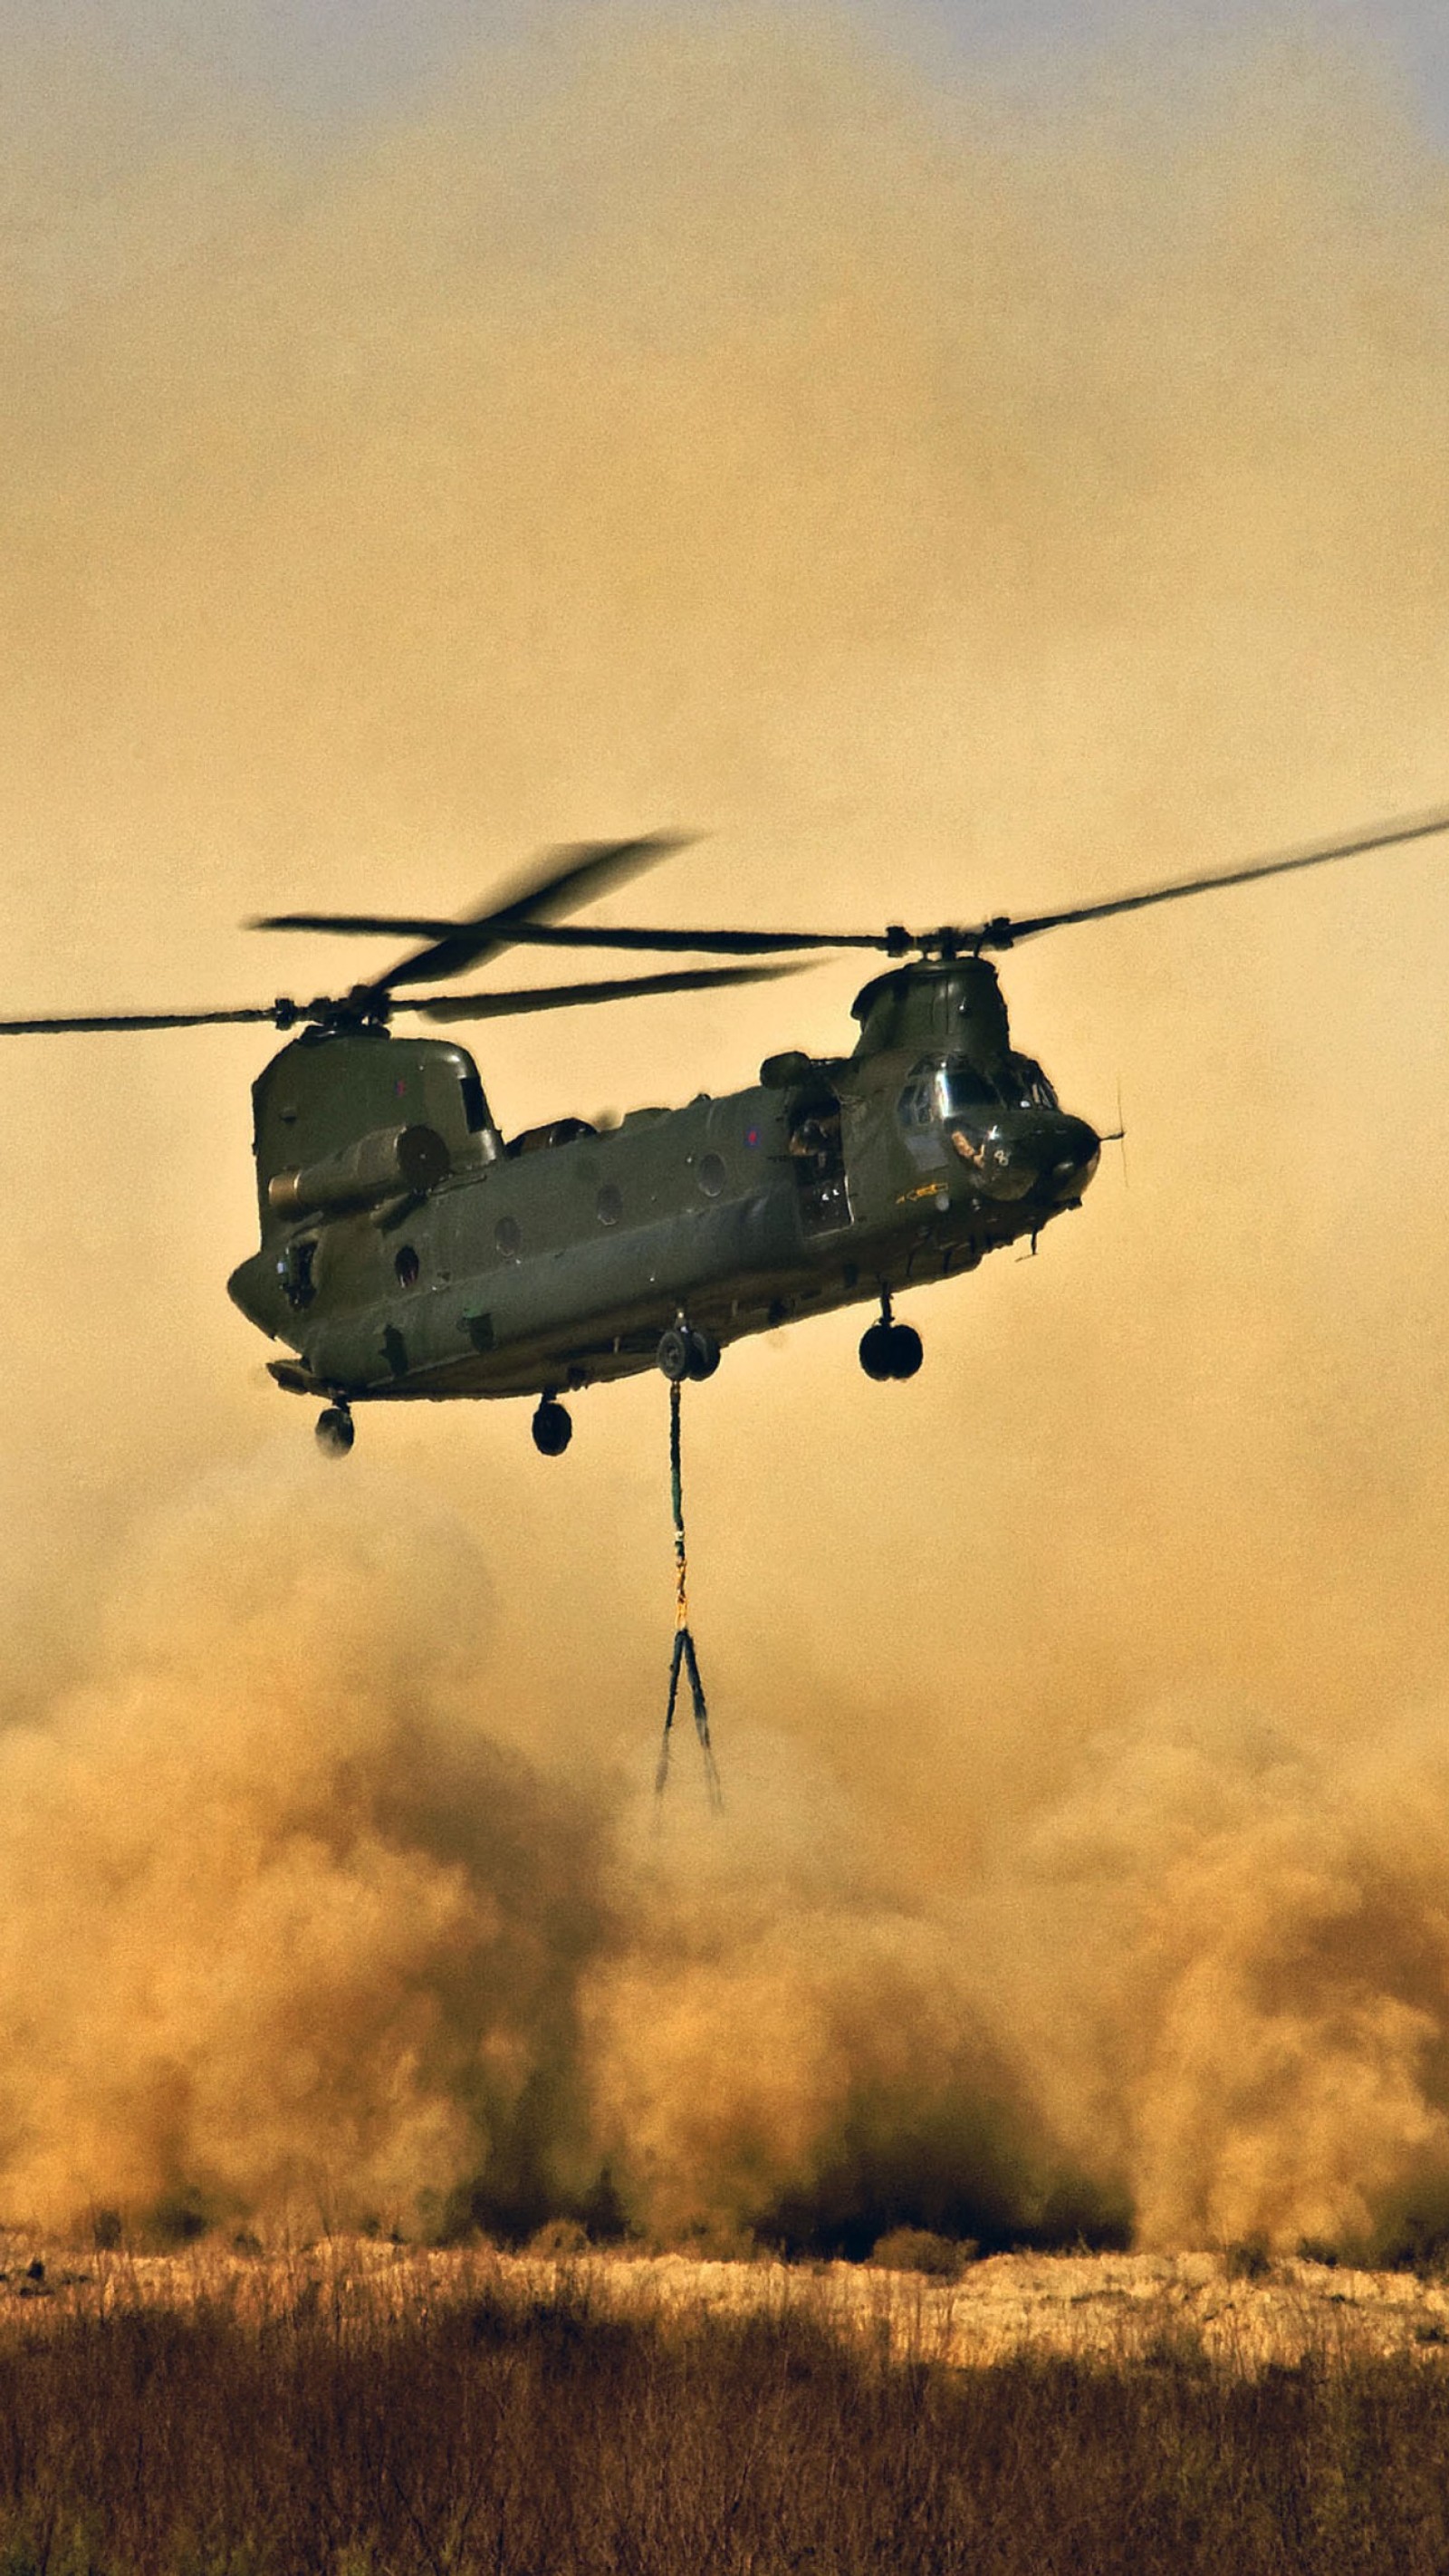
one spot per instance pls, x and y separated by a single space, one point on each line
685 1353
335 1431
552 1428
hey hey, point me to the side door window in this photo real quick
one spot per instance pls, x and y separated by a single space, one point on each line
916 1113
818 1157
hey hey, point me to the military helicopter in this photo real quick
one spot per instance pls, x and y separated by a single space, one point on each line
409 1250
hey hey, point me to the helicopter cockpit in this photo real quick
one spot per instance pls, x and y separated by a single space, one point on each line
939 1092
1017 1083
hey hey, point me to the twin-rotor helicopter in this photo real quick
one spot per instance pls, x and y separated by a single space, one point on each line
410 1250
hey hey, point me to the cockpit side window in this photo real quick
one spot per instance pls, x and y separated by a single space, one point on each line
1029 1083
916 1108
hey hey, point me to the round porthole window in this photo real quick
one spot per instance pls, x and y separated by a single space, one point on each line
508 1236
609 1205
407 1266
711 1175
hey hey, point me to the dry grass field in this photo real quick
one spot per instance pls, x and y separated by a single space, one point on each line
354 2407
1239 2310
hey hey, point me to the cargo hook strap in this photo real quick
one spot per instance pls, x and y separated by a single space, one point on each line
683 1658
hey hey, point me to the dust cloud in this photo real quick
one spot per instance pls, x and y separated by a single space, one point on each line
955 502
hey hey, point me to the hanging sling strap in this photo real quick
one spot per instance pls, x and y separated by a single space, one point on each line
683 1657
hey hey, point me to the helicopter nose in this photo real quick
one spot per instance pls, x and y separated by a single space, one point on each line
1050 1158
1078 1152
997 1163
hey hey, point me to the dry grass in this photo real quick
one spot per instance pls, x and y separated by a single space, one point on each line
1242 2313
355 2408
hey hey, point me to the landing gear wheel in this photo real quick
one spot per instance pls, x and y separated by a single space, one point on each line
875 1351
685 1353
905 1349
335 1431
673 1354
552 1428
890 1350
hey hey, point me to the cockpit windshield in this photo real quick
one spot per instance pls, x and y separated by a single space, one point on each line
1018 1083
938 1094
961 1087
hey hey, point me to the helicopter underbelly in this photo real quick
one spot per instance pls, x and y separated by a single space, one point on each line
493 1330
587 1314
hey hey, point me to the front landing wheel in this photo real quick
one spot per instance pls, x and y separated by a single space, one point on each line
906 1350
552 1428
335 1431
875 1350
890 1350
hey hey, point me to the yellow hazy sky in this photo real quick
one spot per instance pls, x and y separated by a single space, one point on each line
950 501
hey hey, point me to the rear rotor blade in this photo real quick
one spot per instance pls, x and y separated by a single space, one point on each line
559 882
565 997
1006 933
550 934
285 1014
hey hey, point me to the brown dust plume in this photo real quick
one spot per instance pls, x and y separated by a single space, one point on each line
954 505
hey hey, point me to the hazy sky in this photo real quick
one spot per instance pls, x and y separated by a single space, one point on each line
939 505
330 57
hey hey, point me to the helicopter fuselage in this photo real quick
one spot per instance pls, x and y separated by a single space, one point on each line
409 1252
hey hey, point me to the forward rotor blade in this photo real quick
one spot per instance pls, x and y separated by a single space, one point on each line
704 943
279 1014
1006 933
565 997
557 883
371 925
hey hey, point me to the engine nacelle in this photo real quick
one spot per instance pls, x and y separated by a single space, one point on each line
391 1162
